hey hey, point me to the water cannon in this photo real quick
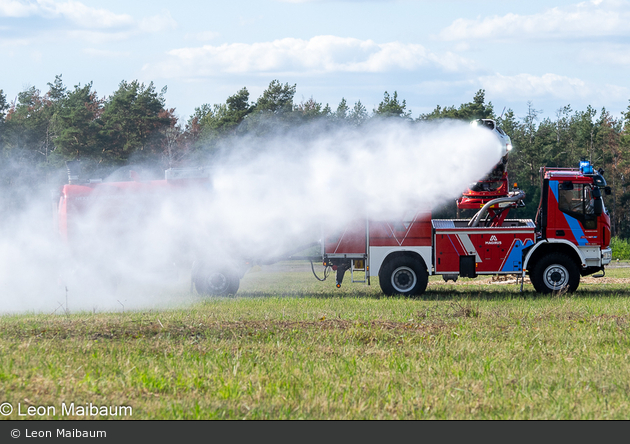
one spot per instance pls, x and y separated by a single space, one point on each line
490 124
487 123
495 184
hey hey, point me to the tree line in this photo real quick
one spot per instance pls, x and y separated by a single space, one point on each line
39 131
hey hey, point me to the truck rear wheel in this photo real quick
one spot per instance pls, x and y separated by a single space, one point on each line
215 281
555 272
403 275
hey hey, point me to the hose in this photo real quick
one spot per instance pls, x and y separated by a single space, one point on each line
326 273
474 222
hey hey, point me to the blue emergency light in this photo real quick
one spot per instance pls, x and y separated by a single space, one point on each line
586 167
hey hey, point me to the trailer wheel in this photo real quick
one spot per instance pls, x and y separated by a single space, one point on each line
215 281
403 275
555 272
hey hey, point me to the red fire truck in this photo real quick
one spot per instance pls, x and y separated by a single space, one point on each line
570 237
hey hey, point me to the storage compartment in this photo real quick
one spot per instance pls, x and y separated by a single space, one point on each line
496 250
467 267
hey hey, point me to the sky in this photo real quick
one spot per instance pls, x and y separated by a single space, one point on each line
430 52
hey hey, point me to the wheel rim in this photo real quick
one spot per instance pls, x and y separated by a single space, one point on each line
556 276
217 283
404 279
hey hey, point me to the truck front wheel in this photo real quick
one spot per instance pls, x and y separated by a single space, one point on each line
215 281
555 272
403 275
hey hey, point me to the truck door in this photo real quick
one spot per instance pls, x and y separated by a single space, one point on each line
571 214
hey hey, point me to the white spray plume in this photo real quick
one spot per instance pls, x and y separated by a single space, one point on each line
265 196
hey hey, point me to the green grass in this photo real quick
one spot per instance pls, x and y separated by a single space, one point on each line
620 248
289 347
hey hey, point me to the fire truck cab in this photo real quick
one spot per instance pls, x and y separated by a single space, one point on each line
572 228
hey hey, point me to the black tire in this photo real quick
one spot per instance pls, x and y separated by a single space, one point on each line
554 273
403 275
219 281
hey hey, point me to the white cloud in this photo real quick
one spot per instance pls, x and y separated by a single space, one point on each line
320 54
17 8
586 19
83 17
527 86
76 12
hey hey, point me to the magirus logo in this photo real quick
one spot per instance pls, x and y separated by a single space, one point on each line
493 241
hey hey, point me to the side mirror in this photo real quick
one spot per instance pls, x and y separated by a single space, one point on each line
598 206
598 180
607 191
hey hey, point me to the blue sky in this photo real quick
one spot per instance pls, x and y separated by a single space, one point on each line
430 52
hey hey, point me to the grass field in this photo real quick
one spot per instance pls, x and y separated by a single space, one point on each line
290 347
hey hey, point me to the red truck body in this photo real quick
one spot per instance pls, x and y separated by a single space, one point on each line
571 236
